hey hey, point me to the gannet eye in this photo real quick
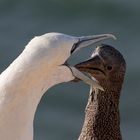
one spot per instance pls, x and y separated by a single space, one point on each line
109 67
74 47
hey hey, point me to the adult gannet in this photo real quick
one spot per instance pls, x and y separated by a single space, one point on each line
40 66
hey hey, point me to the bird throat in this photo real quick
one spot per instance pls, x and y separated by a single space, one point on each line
102 121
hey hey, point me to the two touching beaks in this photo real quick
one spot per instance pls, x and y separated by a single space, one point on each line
84 42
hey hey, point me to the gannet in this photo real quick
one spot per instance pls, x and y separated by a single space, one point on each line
40 66
102 118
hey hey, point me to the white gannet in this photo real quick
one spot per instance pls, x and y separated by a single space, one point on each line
40 66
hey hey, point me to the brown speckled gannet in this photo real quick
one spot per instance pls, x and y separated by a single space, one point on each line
102 118
40 66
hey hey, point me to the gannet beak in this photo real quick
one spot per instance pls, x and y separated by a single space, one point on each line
85 41
91 81
93 66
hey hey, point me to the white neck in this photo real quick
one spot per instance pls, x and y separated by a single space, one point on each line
22 85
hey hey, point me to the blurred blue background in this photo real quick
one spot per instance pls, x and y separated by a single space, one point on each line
61 112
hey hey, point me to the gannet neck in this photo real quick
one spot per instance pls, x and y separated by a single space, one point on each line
39 67
22 85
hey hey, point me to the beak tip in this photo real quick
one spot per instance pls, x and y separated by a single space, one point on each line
113 36
102 89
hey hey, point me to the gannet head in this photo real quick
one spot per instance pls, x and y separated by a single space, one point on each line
53 49
107 65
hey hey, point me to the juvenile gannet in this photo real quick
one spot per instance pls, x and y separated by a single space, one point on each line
102 119
40 66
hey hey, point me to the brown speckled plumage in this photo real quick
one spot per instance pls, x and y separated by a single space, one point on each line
102 119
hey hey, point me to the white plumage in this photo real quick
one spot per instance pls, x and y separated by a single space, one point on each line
22 84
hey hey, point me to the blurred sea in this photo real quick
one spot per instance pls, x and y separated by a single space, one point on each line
61 112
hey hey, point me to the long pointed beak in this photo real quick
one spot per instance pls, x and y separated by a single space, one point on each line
91 81
85 41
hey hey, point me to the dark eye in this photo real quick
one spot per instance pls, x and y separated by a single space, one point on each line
109 68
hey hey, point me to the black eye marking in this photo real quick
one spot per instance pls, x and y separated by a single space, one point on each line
74 47
109 68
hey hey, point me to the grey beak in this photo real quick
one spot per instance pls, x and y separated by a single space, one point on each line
90 81
85 41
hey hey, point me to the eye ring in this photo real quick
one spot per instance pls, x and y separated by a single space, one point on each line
109 67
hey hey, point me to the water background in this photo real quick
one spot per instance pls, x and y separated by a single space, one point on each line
61 112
